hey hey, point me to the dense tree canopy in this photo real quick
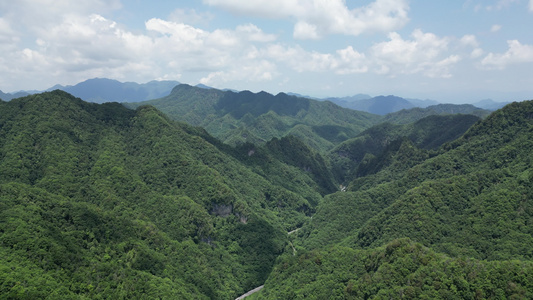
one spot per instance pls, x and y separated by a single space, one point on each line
106 202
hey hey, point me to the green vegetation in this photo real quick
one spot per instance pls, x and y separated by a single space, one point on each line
105 202
406 116
236 118
99 201
468 202
400 269
369 151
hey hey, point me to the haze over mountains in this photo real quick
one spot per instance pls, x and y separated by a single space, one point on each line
101 90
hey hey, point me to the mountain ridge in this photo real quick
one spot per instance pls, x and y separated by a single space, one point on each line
257 117
94 197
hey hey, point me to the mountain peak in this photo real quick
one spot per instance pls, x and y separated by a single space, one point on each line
101 90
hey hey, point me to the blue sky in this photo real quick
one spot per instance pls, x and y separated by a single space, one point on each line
451 51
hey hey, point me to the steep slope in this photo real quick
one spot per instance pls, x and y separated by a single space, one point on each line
468 199
101 90
400 269
103 201
470 202
247 117
360 156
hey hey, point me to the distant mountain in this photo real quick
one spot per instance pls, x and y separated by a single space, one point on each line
350 98
380 105
203 86
302 96
422 103
100 90
490 104
9 96
236 118
4 96
406 116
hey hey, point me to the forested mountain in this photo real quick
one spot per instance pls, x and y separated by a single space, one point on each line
380 105
490 104
469 203
406 116
241 117
100 90
368 152
346 101
100 201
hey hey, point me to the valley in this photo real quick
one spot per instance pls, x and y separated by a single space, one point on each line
209 194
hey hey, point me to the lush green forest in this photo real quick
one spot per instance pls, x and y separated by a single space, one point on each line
370 150
406 116
99 201
468 202
241 117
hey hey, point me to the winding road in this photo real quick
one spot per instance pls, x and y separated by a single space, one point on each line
257 289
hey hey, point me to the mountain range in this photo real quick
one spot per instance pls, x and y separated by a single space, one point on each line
380 105
101 90
449 223
9 96
239 117
104 201
206 194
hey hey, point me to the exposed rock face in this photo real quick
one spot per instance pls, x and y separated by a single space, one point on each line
222 210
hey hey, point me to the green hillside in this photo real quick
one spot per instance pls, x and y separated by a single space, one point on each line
469 202
402 269
237 118
368 152
100 201
406 116
491 161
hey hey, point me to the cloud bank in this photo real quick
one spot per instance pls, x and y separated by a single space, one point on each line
317 18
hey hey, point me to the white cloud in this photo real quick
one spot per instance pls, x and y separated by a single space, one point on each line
252 33
350 61
531 5
317 18
425 54
70 45
38 15
495 28
516 54
500 4
343 61
477 52
306 31
470 40
182 35
250 71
